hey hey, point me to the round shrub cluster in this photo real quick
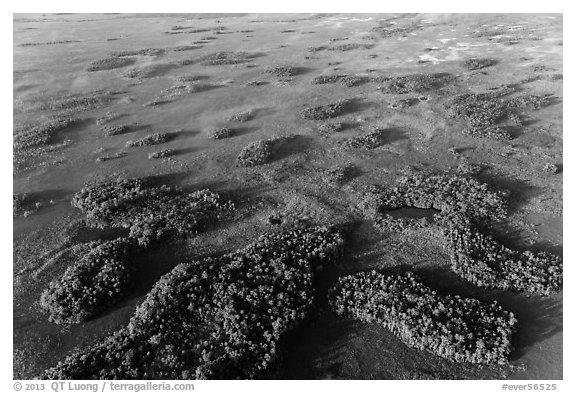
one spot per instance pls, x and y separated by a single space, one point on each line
281 71
150 140
111 130
217 318
478 63
164 153
323 112
372 140
221 133
483 261
42 134
255 153
455 328
93 283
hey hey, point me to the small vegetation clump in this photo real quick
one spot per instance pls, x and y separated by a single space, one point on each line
483 261
148 71
186 47
372 140
324 112
138 52
111 130
337 175
281 71
256 153
551 168
330 128
492 132
154 139
415 83
164 153
223 58
108 117
221 133
350 46
478 63
352 80
110 63
216 318
452 327
242 117
93 283
48 43
148 212
404 103
325 79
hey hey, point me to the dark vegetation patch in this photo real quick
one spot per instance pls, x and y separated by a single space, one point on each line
154 139
452 327
350 46
110 63
483 261
337 175
330 128
148 212
468 209
216 318
31 136
315 48
111 130
68 104
404 103
353 80
415 83
256 153
186 47
484 111
49 43
93 283
108 117
371 140
148 71
344 79
281 71
288 31
112 157
242 116
551 168
325 79
389 30
164 153
139 52
323 112
223 58
478 63
221 133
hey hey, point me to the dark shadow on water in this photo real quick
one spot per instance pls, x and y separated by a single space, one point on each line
240 131
395 134
355 105
186 150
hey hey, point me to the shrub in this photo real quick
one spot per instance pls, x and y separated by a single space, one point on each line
138 52
217 318
242 116
255 153
221 133
415 83
330 128
282 71
97 280
371 140
483 261
325 79
148 212
404 103
223 58
164 153
493 132
478 63
324 112
42 134
350 46
455 328
154 139
115 130
445 192
551 168
186 47
352 80
19 201
110 63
